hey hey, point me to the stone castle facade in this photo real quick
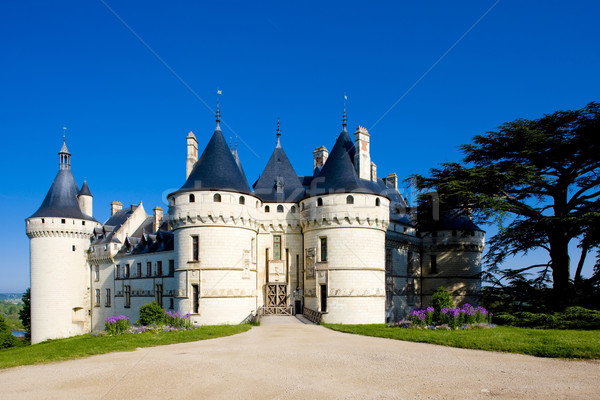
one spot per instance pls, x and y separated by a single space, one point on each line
339 243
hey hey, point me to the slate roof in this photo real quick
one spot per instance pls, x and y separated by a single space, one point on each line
216 169
236 157
61 199
85 190
451 220
279 169
338 174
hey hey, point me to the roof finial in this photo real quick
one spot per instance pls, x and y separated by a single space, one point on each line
278 133
64 128
344 119
218 111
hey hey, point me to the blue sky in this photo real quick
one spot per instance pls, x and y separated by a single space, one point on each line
76 63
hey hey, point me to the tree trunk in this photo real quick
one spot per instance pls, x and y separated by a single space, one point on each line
559 253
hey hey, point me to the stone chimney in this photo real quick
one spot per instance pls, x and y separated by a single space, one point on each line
392 181
320 156
362 154
192 153
115 206
373 172
158 216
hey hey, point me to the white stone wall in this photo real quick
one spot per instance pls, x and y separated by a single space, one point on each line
224 272
354 270
60 277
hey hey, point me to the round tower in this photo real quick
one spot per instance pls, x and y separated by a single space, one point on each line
452 248
214 226
344 221
59 234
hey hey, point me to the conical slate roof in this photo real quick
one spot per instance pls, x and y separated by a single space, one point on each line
85 190
279 172
61 200
216 169
338 174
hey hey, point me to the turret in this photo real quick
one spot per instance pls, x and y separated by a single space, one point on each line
85 199
59 233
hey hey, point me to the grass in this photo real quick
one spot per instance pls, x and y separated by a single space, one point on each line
572 344
88 345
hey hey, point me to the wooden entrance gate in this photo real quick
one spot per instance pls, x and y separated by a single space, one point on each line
277 300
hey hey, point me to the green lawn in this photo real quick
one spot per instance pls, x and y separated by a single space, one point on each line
536 342
87 345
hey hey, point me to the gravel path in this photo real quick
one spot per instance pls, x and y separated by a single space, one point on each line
287 359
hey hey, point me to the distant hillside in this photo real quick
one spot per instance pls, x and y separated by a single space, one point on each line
11 297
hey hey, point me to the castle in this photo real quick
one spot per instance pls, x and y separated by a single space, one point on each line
339 243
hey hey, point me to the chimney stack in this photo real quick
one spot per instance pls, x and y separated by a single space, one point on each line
115 206
320 156
192 153
392 181
158 216
373 172
362 154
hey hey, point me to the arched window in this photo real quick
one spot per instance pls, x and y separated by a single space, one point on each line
349 200
280 208
293 209
302 206
319 202
377 202
217 198
192 198
242 200
267 209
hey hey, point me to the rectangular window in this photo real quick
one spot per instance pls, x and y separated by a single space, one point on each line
433 264
148 268
323 243
323 298
108 298
127 296
139 270
171 303
277 247
195 248
159 295
171 267
118 270
195 300
388 260
97 273
159 268
127 271
97 300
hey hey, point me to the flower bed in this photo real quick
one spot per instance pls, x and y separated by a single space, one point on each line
174 321
465 317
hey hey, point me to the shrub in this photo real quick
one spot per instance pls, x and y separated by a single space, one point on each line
152 313
116 325
439 300
6 338
571 318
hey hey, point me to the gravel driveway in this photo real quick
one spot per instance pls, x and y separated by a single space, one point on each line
288 359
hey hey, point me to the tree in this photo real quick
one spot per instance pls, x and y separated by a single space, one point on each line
542 176
6 337
25 314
